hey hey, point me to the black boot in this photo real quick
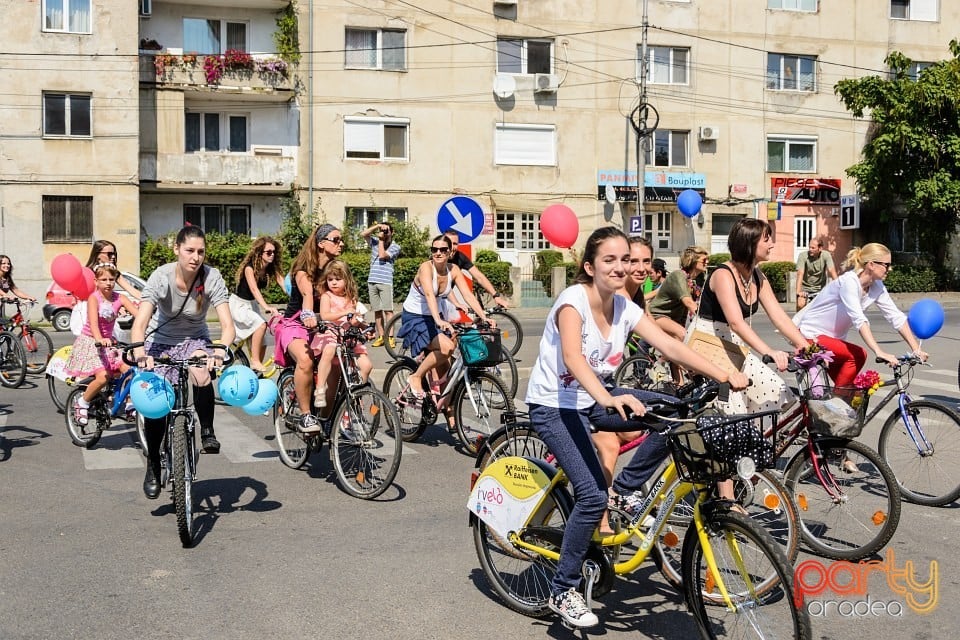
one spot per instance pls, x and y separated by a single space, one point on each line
203 401
209 440
151 485
154 430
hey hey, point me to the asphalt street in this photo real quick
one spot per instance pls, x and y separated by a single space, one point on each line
286 554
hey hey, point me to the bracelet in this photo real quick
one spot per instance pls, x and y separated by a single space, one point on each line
495 294
307 315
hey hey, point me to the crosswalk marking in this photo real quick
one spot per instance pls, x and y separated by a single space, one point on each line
128 457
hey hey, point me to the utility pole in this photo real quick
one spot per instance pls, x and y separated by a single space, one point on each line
644 118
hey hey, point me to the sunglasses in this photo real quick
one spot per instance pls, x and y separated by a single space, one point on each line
270 252
886 265
439 250
337 240
109 254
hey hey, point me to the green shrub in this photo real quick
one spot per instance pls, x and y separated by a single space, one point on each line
485 256
404 271
910 278
717 258
155 252
226 252
498 273
359 264
546 260
776 273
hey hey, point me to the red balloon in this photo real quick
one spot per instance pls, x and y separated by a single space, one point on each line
87 284
66 271
559 225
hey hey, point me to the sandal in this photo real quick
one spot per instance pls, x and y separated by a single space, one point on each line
413 399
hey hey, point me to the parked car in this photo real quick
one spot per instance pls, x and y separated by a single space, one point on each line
60 304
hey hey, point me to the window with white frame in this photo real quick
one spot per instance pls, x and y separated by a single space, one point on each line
791 72
913 71
515 230
665 65
376 138
525 144
791 154
222 218
903 236
793 5
656 227
67 218
518 55
375 49
213 36
360 218
70 16
216 132
66 114
925 10
668 148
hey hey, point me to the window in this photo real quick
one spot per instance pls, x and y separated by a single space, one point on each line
669 149
925 10
903 236
656 227
793 5
665 65
359 218
222 218
519 231
207 36
215 133
913 71
525 144
376 138
791 73
791 154
376 49
67 219
515 55
71 16
66 114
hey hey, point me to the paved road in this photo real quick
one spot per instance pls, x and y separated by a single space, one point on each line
286 554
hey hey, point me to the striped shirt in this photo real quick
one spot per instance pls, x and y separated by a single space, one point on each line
381 271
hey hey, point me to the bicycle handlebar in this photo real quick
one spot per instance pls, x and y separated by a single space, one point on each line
657 408
191 361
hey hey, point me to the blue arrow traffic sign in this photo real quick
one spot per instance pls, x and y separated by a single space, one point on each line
462 214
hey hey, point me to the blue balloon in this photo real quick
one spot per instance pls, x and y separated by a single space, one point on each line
264 400
689 203
287 286
238 385
152 395
925 318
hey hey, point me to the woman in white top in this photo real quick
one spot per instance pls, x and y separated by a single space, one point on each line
583 341
841 304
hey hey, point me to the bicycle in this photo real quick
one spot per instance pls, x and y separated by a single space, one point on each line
36 343
476 397
763 497
108 404
917 441
518 507
13 361
361 427
179 454
644 369
847 497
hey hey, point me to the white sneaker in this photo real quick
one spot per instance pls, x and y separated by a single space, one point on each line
571 606
309 424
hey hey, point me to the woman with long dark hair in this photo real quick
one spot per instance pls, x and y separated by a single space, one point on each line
247 306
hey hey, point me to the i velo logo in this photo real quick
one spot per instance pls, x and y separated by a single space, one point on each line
852 590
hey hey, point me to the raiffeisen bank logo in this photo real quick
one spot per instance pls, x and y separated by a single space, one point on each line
860 590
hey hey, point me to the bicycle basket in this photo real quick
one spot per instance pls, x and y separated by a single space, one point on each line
710 449
481 348
839 412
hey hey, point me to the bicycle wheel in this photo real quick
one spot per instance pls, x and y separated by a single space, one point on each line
81 435
37 349
293 446
478 406
182 451
412 425
59 391
766 501
521 579
862 513
517 441
634 373
13 363
366 451
511 333
930 477
391 329
746 559
506 372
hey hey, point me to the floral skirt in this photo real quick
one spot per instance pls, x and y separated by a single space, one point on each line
183 350
87 359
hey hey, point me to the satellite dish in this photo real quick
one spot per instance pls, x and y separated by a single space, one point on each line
610 193
504 85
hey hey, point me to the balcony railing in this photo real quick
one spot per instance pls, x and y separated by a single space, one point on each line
217 168
233 69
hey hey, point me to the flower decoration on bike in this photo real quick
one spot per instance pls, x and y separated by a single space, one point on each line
868 380
813 360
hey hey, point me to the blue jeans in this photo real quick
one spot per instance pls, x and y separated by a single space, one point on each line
566 432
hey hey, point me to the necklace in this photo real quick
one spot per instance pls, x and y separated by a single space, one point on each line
746 282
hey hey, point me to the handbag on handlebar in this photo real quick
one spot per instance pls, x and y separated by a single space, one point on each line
481 348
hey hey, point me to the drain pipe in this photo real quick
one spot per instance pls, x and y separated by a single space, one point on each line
310 111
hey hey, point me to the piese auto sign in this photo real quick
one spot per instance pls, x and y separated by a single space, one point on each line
805 190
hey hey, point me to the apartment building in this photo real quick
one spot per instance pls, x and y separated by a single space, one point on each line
69 133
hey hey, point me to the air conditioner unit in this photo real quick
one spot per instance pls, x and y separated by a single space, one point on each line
504 3
709 132
146 8
545 83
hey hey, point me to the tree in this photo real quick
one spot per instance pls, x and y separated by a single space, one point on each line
911 159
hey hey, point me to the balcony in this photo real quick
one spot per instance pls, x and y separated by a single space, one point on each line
258 173
267 77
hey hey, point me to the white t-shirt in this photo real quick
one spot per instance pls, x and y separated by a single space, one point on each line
841 304
551 384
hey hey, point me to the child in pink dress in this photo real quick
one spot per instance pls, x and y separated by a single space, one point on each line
88 357
338 299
